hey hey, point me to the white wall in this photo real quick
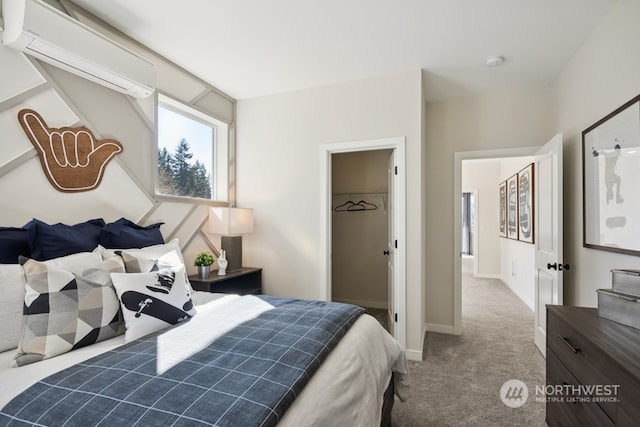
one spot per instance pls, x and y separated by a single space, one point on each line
517 260
602 75
484 176
279 169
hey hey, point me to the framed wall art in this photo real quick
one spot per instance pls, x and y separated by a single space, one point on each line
611 174
502 195
525 204
512 207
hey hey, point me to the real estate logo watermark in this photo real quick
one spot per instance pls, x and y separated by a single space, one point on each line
581 393
515 393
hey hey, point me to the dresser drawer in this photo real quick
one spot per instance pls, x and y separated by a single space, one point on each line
571 398
558 416
587 365
629 406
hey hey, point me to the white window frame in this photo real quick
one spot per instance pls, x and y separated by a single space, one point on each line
220 163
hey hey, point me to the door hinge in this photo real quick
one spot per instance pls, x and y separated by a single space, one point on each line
395 243
396 318
396 170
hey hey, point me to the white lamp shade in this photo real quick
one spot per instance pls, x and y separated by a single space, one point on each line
230 221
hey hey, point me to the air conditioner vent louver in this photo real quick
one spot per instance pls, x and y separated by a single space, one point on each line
39 30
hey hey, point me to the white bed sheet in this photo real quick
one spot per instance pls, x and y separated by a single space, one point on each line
348 388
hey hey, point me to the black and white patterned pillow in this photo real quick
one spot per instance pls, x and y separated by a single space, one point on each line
151 258
65 309
153 301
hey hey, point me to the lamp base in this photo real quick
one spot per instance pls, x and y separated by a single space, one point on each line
232 245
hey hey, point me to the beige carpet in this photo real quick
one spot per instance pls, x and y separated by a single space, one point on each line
458 383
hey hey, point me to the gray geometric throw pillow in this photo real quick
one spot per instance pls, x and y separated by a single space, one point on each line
65 310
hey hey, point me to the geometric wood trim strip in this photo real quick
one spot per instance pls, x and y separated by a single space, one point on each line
150 125
23 96
18 161
199 96
206 238
203 235
181 223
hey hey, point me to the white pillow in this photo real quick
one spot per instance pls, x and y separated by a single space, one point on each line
12 281
143 263
153 301
152 258
150 252
76 261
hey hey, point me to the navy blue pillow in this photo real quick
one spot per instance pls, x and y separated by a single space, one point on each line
53 241
13 243
125 234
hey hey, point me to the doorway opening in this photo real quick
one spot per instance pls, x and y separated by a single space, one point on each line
486 261
546 242
387 212
360 230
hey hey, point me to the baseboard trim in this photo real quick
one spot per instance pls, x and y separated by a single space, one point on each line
441 329
363 303
413 355
488 276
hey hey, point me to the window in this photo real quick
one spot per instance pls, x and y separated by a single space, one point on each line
191 152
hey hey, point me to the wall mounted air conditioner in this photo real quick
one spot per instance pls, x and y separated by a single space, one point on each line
40 30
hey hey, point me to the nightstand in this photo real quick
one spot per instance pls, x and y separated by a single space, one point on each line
246 280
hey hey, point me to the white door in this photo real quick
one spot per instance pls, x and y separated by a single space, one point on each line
390 251
548 234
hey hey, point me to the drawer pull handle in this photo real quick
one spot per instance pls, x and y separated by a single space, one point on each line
566 342
627 298
573 401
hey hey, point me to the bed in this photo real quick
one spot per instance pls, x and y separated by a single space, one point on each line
251 360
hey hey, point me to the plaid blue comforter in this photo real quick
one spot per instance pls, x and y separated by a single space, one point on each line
247 377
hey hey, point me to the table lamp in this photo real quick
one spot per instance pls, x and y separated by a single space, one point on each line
231 224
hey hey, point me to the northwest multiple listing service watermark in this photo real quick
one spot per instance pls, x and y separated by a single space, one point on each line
515 393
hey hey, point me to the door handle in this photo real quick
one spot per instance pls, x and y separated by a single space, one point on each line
558 266
385 252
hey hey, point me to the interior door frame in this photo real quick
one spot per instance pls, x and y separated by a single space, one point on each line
459 156
399 203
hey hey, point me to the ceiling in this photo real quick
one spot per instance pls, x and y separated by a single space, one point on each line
252 48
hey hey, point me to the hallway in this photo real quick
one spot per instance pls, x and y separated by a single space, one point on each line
458 382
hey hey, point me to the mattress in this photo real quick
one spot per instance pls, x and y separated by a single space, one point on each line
347 389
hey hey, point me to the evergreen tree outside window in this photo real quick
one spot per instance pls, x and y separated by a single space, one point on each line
186 153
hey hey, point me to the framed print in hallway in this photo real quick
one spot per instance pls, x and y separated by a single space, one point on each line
512 207
611 177
502 194
525 204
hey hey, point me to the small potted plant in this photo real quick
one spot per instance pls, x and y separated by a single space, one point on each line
203 261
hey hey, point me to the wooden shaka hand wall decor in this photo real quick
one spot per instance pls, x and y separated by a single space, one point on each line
71 158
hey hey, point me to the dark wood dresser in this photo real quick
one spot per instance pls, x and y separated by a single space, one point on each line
593 365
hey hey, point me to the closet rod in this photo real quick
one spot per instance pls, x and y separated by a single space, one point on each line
360 194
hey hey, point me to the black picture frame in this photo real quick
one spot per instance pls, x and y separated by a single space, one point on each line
512 207
610 178
526 208
502 201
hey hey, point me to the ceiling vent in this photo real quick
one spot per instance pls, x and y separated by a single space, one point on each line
37 29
